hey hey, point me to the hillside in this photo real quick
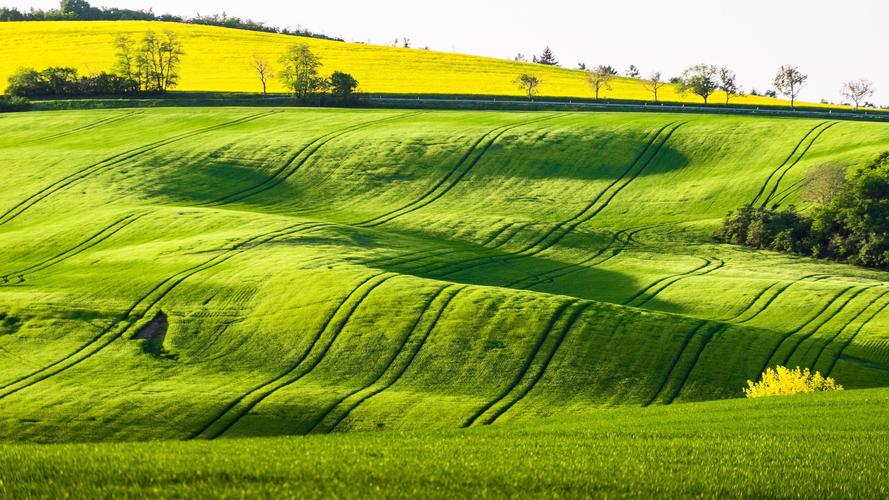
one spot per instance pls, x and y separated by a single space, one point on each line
219 59
204 273
817 446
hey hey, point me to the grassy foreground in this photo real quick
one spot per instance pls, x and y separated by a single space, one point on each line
815 446
219 59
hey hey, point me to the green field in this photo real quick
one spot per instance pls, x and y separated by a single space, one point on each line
241 275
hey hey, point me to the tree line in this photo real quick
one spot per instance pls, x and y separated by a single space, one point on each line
702 80
150 65
848 220
80 10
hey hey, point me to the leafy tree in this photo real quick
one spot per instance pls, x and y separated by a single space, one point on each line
633 71
158 59
728 83
300 72
547 58
824 183
529 83
857 91
263 71
581 66
654 83
600 78
342 85
700 79
790 81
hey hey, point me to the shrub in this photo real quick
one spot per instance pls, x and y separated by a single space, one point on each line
13 103
782 381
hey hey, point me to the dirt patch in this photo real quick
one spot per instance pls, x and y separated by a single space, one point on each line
155 331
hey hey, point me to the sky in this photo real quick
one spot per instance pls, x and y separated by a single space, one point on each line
831 41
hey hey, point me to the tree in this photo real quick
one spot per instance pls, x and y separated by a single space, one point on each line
158 61
547 58
600 78
824 183
727 83
263 71
633 71
342 85
654 83
789 81
300 71
581 66
529 84
700 79
406 43
520 58
857 91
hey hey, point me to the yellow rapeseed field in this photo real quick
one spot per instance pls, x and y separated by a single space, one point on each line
218 59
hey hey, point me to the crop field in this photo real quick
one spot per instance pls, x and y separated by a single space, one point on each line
816 446
204 274
219 59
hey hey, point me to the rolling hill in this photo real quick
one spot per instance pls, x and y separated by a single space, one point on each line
239 272
219 59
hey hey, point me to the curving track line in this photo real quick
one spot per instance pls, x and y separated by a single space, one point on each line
297 160
710 269
84 128
840 330
798 159
81 247
675 363
244 404
397 365
765 185
107 163
469 160
705 341
852 338
140 309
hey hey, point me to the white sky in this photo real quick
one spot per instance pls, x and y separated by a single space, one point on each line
831 41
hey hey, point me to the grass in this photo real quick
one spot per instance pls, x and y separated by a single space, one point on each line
219 59
822 446
453 279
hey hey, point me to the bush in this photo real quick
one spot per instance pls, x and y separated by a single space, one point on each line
782 381
13 103
65 82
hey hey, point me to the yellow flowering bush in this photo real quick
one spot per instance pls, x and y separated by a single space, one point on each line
782 381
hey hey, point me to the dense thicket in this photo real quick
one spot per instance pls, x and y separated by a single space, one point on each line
80 10
849 222
12 103
62 82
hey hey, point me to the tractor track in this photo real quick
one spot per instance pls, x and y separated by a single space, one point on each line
460 170
852 338
244 404
798 159
107 163
296 161
84 128
704 272
78 249
705 342
765 185
840 331
675 363
145 304
396 370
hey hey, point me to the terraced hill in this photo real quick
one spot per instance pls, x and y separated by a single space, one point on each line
219 59
207 273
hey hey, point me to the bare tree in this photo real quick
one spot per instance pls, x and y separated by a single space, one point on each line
823 183
600 78
529 84
790 81
700 79
728 83
406 43
263 71
654 83
857 91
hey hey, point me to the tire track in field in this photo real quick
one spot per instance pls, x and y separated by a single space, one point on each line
546 334
808 322
469 160
675 363
780 292
705 342
849 323
244 404
296 161
712 266
651 150
852 338
81 247
531 376
811 332
765 185
84 128
107 163
798 159
144 305
667 281
762 293
397 365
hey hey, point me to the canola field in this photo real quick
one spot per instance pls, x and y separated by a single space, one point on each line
204 274
219 59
